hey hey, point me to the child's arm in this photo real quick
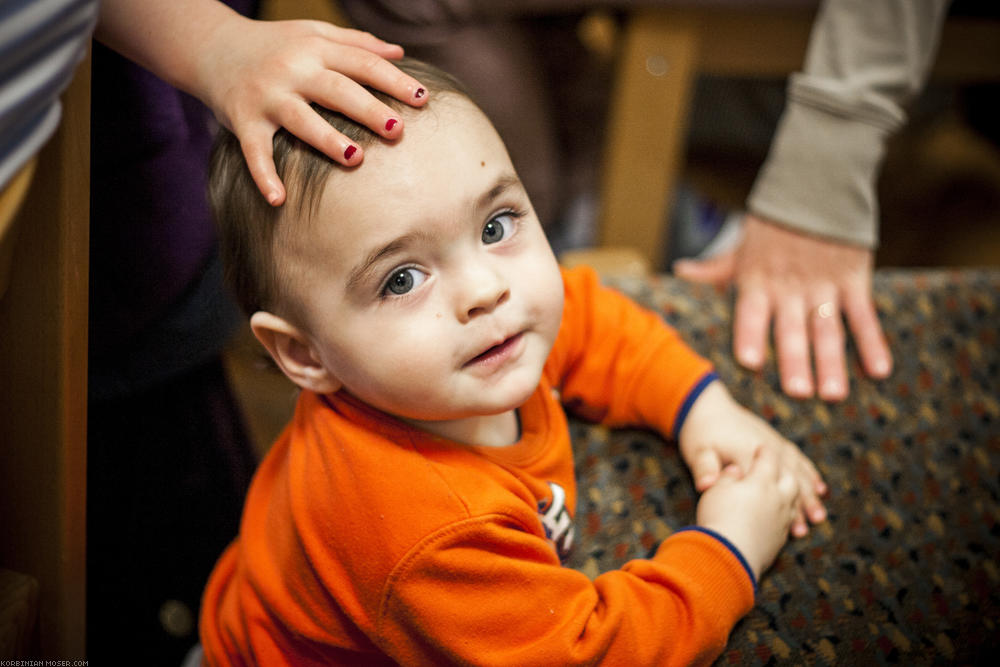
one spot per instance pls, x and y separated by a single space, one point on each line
492 593
488 592
620 364
718 432
258 76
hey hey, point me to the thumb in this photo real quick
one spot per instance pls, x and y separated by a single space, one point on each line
764 464
257 151
705 469
714 270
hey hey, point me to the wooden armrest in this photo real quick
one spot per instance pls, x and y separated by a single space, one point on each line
10 203
18 613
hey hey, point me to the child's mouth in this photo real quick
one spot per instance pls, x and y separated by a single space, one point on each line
497 354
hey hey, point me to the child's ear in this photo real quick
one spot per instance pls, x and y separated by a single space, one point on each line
293 353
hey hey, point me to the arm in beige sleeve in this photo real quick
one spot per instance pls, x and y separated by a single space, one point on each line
866 60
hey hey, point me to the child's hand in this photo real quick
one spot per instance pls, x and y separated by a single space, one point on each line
262 75
718 433
754 511
258 76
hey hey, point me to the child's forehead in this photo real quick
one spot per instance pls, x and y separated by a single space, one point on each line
451 115
448 151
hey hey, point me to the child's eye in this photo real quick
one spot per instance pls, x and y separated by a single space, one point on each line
500 227
404 280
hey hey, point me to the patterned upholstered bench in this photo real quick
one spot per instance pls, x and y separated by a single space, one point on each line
907 569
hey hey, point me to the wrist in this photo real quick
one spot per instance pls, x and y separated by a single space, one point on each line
223 28
702 405
710 379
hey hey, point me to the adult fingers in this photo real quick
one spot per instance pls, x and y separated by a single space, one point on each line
828 342
792 343
867 331
751 320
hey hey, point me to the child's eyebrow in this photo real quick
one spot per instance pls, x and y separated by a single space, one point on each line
362 269
504 183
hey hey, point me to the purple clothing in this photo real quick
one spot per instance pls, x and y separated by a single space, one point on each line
157 304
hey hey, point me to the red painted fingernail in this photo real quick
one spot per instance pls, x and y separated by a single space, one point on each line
349 153
420 93
389 124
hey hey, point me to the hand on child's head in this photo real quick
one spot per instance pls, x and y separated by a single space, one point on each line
753 511
266 78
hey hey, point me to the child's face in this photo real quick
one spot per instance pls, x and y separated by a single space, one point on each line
428 286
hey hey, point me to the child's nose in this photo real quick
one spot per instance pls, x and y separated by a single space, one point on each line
482 290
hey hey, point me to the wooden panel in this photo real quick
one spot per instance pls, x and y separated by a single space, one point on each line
753 42
647 127
43 382
969 52
323 10
648 118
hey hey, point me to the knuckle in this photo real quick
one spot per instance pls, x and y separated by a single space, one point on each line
290 112
369 64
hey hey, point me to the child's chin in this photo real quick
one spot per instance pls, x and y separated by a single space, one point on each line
515 399
498 404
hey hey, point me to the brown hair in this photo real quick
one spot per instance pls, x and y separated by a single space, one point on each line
250 228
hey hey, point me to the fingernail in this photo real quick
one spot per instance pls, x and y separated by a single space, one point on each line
832 389
880 368
420 93
349 152
272 197
798 387
819 515
389 124
750 357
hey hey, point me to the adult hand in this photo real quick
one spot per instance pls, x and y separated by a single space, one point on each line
262 75
803 283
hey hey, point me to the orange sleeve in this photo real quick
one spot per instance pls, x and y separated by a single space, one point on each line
620 364
484 592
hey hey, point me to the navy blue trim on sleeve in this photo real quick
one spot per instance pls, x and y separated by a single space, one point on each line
692 396
729 545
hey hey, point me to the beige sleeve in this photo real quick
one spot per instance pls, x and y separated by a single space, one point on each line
866 59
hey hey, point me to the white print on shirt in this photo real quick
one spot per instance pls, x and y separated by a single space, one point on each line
557 521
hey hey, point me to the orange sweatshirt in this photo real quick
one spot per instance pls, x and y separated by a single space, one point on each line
365 541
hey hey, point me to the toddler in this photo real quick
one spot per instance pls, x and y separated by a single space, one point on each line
417 507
